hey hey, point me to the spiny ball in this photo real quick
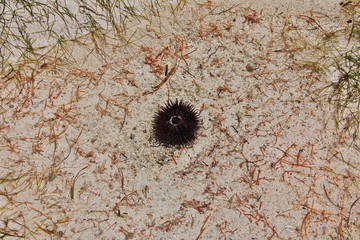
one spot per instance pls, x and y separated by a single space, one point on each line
176 124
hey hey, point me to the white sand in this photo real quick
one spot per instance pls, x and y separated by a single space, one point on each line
263 167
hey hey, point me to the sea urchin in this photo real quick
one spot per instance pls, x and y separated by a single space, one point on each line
176 124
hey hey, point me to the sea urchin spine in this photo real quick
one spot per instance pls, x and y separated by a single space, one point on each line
176 124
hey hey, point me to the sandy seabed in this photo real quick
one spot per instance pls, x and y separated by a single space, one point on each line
78 160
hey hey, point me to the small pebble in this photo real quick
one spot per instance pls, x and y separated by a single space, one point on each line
250 67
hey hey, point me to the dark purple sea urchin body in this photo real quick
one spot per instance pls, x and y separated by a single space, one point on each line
176 124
